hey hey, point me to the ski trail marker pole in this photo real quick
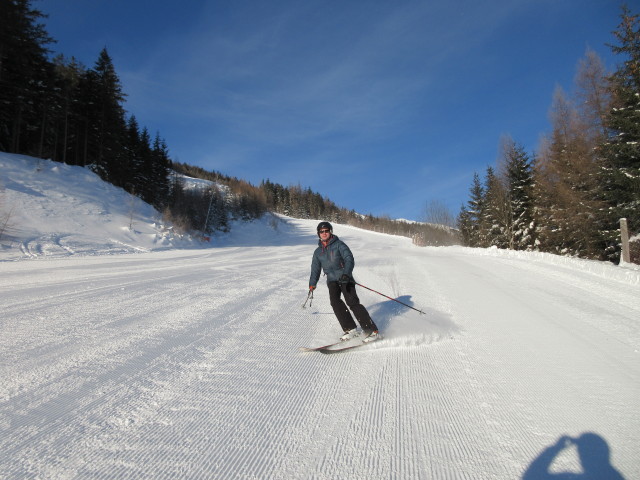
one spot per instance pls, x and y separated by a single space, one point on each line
387 296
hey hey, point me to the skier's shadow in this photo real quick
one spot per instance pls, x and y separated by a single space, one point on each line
593 452
392 319
384 311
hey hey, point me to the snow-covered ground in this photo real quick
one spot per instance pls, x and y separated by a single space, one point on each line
51 209
184 362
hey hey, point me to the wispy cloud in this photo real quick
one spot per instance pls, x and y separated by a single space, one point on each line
301 73
297 90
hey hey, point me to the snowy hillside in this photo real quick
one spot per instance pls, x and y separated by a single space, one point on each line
185 363
52 209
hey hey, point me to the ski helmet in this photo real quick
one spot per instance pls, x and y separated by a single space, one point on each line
323 225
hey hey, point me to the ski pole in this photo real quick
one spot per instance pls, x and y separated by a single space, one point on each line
309 299
386 296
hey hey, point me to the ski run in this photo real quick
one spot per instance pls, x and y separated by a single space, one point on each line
129 352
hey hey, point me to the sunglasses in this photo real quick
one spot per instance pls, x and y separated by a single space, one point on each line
324 231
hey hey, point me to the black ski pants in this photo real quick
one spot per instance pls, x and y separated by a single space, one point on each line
348 290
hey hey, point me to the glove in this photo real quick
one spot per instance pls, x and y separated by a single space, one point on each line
344 279
312 287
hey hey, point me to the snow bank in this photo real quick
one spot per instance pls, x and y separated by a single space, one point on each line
625 273
51 209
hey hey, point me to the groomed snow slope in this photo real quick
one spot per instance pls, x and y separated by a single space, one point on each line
185 364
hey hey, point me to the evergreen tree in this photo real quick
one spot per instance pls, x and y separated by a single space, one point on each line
132 159
465 226
85 113
519 177
145 174
25 77
106 122
65 146
620 172
217 216
496 214
470 218
160 174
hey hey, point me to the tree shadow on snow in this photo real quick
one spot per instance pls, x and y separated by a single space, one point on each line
592 451
18 187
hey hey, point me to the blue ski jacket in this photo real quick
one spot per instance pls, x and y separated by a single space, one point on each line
335 259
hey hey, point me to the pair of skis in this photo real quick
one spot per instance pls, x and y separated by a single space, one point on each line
331 347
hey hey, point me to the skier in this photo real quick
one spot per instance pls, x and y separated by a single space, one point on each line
335 258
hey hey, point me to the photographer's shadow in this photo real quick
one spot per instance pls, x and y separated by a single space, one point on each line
594 455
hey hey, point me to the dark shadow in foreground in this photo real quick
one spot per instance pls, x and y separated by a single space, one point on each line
594 455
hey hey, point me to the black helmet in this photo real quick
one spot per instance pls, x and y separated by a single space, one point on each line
323 225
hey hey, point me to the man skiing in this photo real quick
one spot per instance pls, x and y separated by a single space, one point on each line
335 258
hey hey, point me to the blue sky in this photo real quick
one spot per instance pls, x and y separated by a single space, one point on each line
380 106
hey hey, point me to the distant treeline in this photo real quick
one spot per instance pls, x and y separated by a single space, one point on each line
244 200
569 197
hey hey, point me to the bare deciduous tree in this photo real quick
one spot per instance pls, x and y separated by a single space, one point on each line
566 177
593 94
436 212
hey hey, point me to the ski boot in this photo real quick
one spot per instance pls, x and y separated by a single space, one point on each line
371 337
349 334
